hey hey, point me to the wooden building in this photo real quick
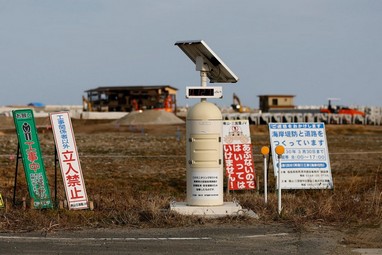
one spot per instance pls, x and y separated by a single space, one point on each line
130 98
269 103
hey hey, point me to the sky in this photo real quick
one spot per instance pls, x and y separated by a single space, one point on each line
53 51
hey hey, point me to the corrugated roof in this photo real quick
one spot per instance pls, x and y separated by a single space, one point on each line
135 87
276 95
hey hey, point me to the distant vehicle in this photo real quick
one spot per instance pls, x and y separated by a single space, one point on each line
236 105
338 109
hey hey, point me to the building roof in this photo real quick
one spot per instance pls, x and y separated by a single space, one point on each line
121 88
276 95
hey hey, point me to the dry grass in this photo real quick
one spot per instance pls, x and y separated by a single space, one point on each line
133 174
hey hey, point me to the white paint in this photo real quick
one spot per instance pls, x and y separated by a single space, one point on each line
369 251
266 235
36 238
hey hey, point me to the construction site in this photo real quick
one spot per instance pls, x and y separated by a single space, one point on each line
116 102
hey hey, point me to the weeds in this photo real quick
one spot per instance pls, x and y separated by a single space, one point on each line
133 191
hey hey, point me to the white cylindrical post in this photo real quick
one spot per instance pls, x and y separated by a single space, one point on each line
265 152
279 151
279 186
204 153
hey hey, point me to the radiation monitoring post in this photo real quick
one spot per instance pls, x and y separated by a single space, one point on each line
204 150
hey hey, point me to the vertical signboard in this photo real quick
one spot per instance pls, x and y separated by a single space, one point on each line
32 159
69 161
238 155
305 163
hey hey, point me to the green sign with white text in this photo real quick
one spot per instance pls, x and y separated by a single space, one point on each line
32 159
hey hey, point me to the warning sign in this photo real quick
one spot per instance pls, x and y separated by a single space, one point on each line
238 158
69 161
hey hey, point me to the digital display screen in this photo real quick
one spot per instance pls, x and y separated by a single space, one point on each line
201 92
204 92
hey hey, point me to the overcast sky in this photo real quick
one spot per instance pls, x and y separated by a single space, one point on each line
51 51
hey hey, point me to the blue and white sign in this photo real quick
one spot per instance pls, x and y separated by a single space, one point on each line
305 163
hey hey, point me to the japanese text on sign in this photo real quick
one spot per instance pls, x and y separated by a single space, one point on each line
34 169
305 163
205 184
69 161
238 155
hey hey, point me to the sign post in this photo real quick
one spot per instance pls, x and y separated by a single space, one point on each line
265 152
29 146
279 151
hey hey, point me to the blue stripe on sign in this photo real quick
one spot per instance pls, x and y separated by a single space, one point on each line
303 165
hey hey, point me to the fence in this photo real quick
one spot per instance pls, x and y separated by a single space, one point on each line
265 118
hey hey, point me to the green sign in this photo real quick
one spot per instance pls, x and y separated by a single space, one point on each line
32 159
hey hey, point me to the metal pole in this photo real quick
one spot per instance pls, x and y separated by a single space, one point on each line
279 185
17 166
55 175
265 180
265 152
279 151
203 82
228 182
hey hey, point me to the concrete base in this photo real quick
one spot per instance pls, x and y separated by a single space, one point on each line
227 209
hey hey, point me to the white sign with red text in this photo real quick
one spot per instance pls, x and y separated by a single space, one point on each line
238 158
69 161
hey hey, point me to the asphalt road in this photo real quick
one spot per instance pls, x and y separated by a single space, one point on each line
260 239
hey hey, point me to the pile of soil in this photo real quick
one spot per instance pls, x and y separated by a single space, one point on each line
149 117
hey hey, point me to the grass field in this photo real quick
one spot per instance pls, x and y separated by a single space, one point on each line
133 174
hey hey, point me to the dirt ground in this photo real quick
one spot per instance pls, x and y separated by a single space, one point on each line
146 160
